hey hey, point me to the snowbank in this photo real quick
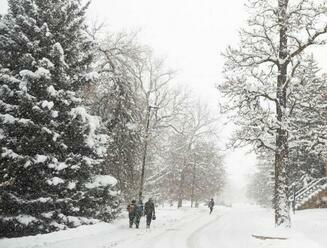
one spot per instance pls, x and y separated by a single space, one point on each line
102 234
190 228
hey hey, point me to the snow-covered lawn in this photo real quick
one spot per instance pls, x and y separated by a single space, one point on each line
191 228
313 224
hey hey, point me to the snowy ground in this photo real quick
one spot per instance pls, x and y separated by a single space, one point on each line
190 228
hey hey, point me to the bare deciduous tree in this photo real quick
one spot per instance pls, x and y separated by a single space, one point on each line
259 76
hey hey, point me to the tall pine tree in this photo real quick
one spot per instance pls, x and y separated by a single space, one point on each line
51 172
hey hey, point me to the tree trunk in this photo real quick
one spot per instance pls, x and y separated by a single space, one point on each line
193 184
147 119
281 155
181 191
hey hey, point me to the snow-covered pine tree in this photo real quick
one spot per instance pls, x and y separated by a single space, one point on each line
51 174
261 184
308 121
207 177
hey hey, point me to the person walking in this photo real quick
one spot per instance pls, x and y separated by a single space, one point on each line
211 204
131 208
139 213
149 211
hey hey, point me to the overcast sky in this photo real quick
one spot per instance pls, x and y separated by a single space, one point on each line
190 33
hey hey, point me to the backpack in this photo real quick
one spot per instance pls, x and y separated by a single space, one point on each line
131 208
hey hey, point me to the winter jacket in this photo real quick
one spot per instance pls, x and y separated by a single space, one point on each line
131 208
149 208
139 208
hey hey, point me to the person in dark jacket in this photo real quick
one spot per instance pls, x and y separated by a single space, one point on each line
149 211
211 204
131 208
139 213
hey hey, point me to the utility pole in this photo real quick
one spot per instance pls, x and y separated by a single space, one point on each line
147 119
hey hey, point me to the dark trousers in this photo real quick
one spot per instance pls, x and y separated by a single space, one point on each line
137 219
131 219
211 208
148 219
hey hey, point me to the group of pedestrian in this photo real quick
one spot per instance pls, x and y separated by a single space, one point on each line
137 210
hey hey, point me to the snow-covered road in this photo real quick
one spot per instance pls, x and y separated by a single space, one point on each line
183 234
189 228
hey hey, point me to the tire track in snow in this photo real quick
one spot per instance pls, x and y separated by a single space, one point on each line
172 231
192 241
183 235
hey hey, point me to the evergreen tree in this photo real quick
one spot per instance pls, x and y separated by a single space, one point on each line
51 174
308 121
260 187
207 171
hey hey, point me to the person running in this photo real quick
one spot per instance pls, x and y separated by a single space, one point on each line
211 204
131 208
138 214
149 211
